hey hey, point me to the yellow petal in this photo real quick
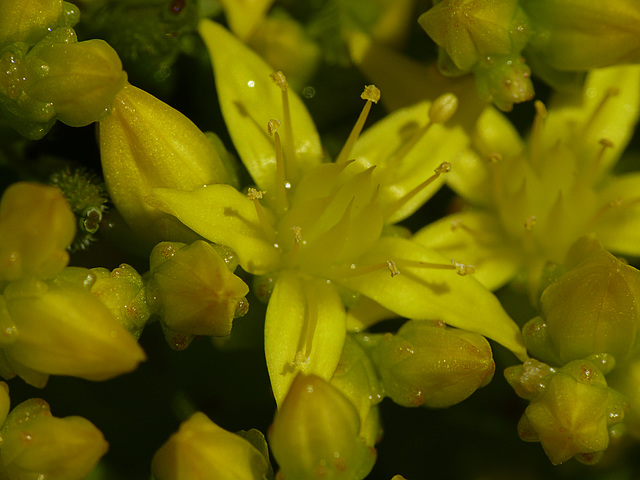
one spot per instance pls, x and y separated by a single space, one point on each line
304 330
432 294
476 238
223 215
249 98
245 15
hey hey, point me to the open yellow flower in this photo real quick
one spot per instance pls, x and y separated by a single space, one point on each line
316 230
529 201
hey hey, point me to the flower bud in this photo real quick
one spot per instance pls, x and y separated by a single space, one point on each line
583 34
504 80
573 413
27 20
193 290
80 79
201 450
427 363
145 144
36 227
67 331
36 444
471 31
316 434
356 378
591 309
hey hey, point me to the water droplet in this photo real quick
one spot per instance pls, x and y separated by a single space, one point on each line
309 92
251 83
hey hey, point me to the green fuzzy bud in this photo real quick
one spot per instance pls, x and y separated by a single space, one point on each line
593 308
427 363
193 290
65 330
504 80
571 412
201 450
36 444
316 434
36 227
80 79
583 34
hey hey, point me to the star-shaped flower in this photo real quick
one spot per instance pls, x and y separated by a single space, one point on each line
528 201
316 230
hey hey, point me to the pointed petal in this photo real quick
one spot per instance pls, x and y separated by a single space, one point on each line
473 238
618 227
249 99
304 330
245 15
581 111
399 172
424 293
222 215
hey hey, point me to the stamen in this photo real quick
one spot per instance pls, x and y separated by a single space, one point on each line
536 131
608 95
616 205
528 240
444 167
392 268
354 271
281 190
371 94
463 268
418 264
292 255
530 222
305 343
594 168
267 228
289 144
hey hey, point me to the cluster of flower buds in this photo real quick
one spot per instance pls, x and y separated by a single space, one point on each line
497 40
46 74
572 411
588 325
35 444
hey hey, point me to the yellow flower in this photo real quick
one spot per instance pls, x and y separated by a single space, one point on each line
528 202
316 228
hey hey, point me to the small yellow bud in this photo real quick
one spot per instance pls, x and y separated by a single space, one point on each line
67 331
123 292
36 227
591 309
428 364
192 289
145 144
316 434
443 108
573 413
36 444
80 79
201 450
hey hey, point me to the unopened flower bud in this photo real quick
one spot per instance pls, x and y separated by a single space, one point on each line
429 364
504 80
36 227
591 309
27 20
145 144
573 413
316 434
36 444
123 292
582 34
201 450
80 79
192 289
470 31
356 378
67 331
